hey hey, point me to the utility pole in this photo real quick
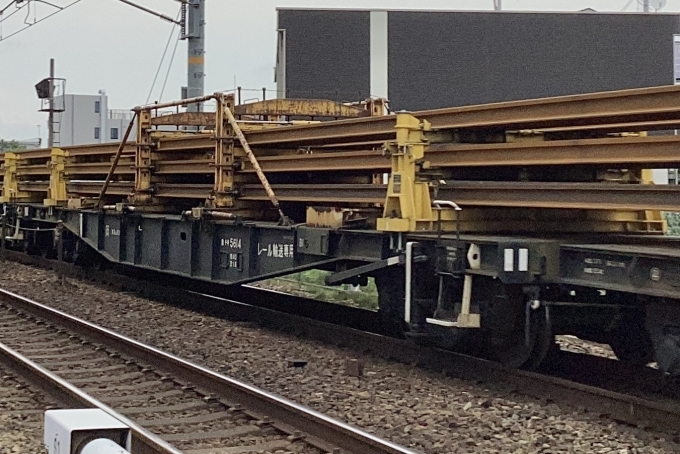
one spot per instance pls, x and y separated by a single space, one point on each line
193 30
645 6
50 121
497 5
46 90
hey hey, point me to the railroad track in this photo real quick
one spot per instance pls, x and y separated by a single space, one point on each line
175 406
358 332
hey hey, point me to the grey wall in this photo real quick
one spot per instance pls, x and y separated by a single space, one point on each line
473 58
440 59
327 54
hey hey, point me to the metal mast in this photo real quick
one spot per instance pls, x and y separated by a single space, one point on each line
50 121
497 5
645 6
193 30
47 89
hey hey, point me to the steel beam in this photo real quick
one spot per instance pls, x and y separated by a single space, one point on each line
623 106
589 196
323 161
650 152
185 119
586 196
301 108
185 142
185 167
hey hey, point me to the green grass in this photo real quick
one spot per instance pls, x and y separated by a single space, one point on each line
673 220
311 285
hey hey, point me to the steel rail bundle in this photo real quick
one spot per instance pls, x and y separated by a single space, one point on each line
203 154
648 152
600 109
590 196
300 149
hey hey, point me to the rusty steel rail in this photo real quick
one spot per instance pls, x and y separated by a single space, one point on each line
587 196
313 426
615 107
650 152
103 149
70 396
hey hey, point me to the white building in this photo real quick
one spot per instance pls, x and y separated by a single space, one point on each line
86 119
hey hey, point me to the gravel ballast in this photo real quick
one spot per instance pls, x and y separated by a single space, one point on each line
21 416
424 411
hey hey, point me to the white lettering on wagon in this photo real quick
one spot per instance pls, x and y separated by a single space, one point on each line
233 243
615 264
276 250
108 231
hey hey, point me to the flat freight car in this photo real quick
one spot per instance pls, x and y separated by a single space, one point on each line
489 228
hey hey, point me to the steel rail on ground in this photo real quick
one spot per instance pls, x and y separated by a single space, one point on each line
616 406
143 441
317 426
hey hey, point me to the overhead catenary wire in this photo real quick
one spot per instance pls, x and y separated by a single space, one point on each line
40 20
167 74
2 11
47 3
3 18
160 64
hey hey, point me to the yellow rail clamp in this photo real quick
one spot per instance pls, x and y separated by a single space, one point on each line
408 206
56 192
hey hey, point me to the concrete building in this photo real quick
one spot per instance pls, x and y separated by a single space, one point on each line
430 59
87 119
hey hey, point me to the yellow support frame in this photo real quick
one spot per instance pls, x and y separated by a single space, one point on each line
224 157
408 206
56 192
143 171
10 186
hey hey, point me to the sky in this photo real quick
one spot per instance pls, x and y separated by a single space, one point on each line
105 44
